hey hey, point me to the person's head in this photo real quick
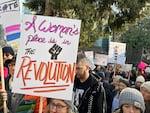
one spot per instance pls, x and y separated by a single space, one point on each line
82 67
123 83
11 65
145 90
60 106
8 53
139 81
116 80
131 101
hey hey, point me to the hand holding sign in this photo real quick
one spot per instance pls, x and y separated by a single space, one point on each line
55 50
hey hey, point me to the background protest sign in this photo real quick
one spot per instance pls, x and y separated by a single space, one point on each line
10 19
127 67
120 56
46 58
101 59
90 56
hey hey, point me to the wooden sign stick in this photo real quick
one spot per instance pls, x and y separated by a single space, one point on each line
41 105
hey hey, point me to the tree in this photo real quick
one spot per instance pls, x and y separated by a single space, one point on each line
138 36
99 17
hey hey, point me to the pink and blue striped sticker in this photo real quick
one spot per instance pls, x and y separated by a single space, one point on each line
12 32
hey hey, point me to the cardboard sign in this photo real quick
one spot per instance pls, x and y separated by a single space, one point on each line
127 67
46 59
90 56
117 56
101 59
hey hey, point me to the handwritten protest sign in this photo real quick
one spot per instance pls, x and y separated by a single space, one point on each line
10 19
46 59
120 56
101 59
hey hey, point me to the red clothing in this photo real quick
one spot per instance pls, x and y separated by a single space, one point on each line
37 105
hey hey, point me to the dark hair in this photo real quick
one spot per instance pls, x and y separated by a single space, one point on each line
125 81
80 56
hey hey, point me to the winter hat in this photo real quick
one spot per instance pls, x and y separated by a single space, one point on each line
8 49
124 81
140 79
132 96
146 85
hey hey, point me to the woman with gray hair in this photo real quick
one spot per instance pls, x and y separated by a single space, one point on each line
60 106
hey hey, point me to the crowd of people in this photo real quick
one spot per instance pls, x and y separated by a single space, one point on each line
101 90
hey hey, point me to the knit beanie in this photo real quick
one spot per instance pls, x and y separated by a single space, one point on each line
140 79
8 49
132 96
146 85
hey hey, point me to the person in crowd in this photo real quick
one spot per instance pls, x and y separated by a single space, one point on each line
145 90
8 53
108 91
109 70
115 83
142 73
60 106
89 94
132 76
131 101
20 102
139 81
147 72
117 71
123 83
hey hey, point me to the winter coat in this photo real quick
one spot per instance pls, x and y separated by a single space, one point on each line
94 98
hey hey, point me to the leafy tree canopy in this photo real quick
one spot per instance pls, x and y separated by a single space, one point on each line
138 35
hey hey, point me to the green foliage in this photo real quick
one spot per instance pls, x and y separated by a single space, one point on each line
138 35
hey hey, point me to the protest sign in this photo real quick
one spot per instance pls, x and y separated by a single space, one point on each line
90 56
46 59
10 19
117 56
101 59
127 67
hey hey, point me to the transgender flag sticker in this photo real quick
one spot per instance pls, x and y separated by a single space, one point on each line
12 32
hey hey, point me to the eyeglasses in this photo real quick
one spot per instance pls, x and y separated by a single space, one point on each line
59 107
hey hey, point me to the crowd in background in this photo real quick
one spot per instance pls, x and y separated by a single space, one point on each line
105 89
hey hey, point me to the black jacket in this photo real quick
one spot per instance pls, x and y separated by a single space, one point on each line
93 99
